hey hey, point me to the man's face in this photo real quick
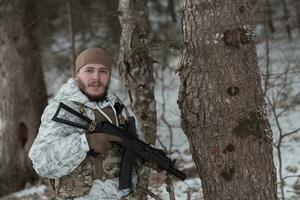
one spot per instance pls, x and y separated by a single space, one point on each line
93 81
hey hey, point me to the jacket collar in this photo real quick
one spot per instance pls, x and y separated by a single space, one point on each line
71 92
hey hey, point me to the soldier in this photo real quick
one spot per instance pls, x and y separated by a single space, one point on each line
63 153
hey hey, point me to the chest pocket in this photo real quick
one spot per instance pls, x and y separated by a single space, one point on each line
107 166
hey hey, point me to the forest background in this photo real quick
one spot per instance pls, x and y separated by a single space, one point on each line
62 29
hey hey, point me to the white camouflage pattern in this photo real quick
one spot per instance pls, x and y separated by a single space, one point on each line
58 149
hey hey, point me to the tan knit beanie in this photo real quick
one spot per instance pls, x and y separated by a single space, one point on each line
92 56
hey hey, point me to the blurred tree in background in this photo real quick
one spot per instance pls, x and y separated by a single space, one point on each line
22 92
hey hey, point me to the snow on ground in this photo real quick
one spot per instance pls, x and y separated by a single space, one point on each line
38 192
285 57
188 189
33 190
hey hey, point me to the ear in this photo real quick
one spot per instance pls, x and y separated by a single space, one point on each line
76 77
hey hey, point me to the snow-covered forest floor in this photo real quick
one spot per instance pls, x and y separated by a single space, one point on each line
284 57
283 103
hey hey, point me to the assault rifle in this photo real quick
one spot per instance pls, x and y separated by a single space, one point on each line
133 147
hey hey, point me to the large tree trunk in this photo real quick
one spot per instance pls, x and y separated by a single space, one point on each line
22 96
136 68
222 103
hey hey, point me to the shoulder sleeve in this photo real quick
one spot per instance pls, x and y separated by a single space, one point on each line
58 149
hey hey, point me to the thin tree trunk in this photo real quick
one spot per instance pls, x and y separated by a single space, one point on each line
71 34
22 97
171 9
297 7
222 103
136 70
286 19
267 48
269 12
113 22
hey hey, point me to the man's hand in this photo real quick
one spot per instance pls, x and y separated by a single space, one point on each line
101 142
153 165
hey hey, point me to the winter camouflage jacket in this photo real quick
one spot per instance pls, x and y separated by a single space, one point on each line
58 149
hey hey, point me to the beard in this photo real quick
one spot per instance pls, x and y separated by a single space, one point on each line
96 98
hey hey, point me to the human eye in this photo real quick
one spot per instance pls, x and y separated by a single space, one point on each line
88 70
104 71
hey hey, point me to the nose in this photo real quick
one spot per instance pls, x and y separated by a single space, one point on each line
96 75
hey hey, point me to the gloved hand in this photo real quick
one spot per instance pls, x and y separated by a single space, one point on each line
153 165
101 142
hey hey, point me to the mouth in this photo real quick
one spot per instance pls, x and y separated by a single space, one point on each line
95 85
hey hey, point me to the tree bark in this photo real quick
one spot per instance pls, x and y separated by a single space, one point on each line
22 96
222 103
135 67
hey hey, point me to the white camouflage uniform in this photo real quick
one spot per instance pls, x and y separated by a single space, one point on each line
58 149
